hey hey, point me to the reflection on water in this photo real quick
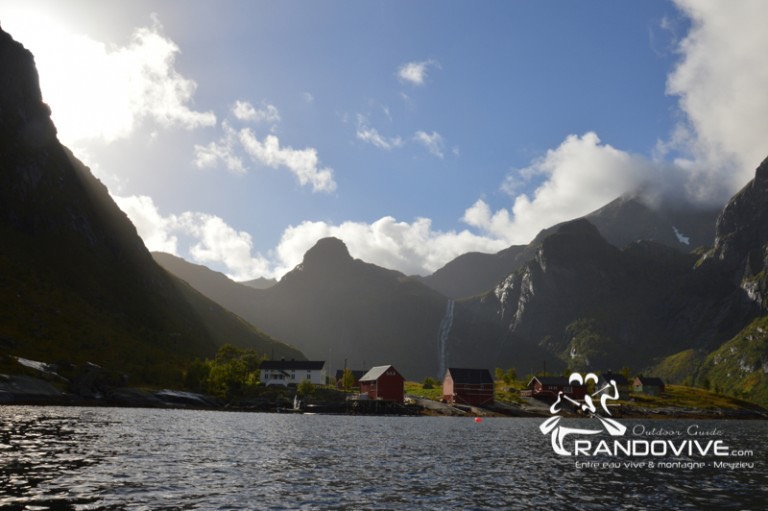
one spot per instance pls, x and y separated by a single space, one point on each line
81 458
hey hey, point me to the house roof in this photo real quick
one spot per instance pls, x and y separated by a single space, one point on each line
650 381
374 373
460 375
297 365
561 381
620 379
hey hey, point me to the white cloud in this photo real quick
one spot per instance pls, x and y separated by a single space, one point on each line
225 151
156 231
415 73
303 163
432 141
245 111
205 238
105 93
219 243
372 135
721 82
412 248
579 176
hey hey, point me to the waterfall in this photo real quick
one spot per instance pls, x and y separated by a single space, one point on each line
442 340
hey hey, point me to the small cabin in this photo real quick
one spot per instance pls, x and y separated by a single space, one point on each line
547 388
290 373
473 387
648 385
622 383
383 383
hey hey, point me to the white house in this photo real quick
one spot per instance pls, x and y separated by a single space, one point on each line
292 372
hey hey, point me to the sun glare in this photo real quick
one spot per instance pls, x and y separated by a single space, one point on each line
102 92
77 78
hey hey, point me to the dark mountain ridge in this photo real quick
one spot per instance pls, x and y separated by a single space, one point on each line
335 308
76 282
621 222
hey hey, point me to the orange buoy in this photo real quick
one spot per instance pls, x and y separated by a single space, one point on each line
478 419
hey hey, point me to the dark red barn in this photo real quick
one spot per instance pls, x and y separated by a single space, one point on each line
548 387
472 387
383 383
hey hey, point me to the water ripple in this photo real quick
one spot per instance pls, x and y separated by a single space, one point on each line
110 459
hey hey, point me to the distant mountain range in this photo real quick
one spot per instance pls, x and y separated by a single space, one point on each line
621 222
76 282
666 296
674 291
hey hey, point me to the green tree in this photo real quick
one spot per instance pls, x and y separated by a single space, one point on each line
305 388
429 383
348 379
231 374
197 374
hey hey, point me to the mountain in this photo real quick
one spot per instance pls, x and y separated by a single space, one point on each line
336 308
740 366
583 303
621 222
76 282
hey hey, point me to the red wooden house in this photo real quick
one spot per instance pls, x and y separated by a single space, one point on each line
472 387
383 383
648 385
548 387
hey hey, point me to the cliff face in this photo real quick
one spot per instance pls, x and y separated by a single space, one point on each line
588 304
76 281
742 237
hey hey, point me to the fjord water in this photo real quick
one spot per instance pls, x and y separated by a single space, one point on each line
102 458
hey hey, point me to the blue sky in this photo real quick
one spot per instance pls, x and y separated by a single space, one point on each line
236 134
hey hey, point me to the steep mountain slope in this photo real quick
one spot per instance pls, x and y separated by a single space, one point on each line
334 307
76 282
621 222
475 273
740 366
590 305
741 242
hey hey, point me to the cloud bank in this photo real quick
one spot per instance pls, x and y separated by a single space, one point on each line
413 248
721 82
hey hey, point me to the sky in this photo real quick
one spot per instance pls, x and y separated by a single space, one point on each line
235 134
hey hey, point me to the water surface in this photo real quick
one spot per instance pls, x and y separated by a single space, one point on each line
143 459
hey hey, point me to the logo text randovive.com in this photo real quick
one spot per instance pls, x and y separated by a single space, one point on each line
667 442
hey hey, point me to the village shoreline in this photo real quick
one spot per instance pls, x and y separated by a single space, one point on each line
30 391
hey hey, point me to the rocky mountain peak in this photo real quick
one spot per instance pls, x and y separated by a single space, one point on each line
327 252
24 118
